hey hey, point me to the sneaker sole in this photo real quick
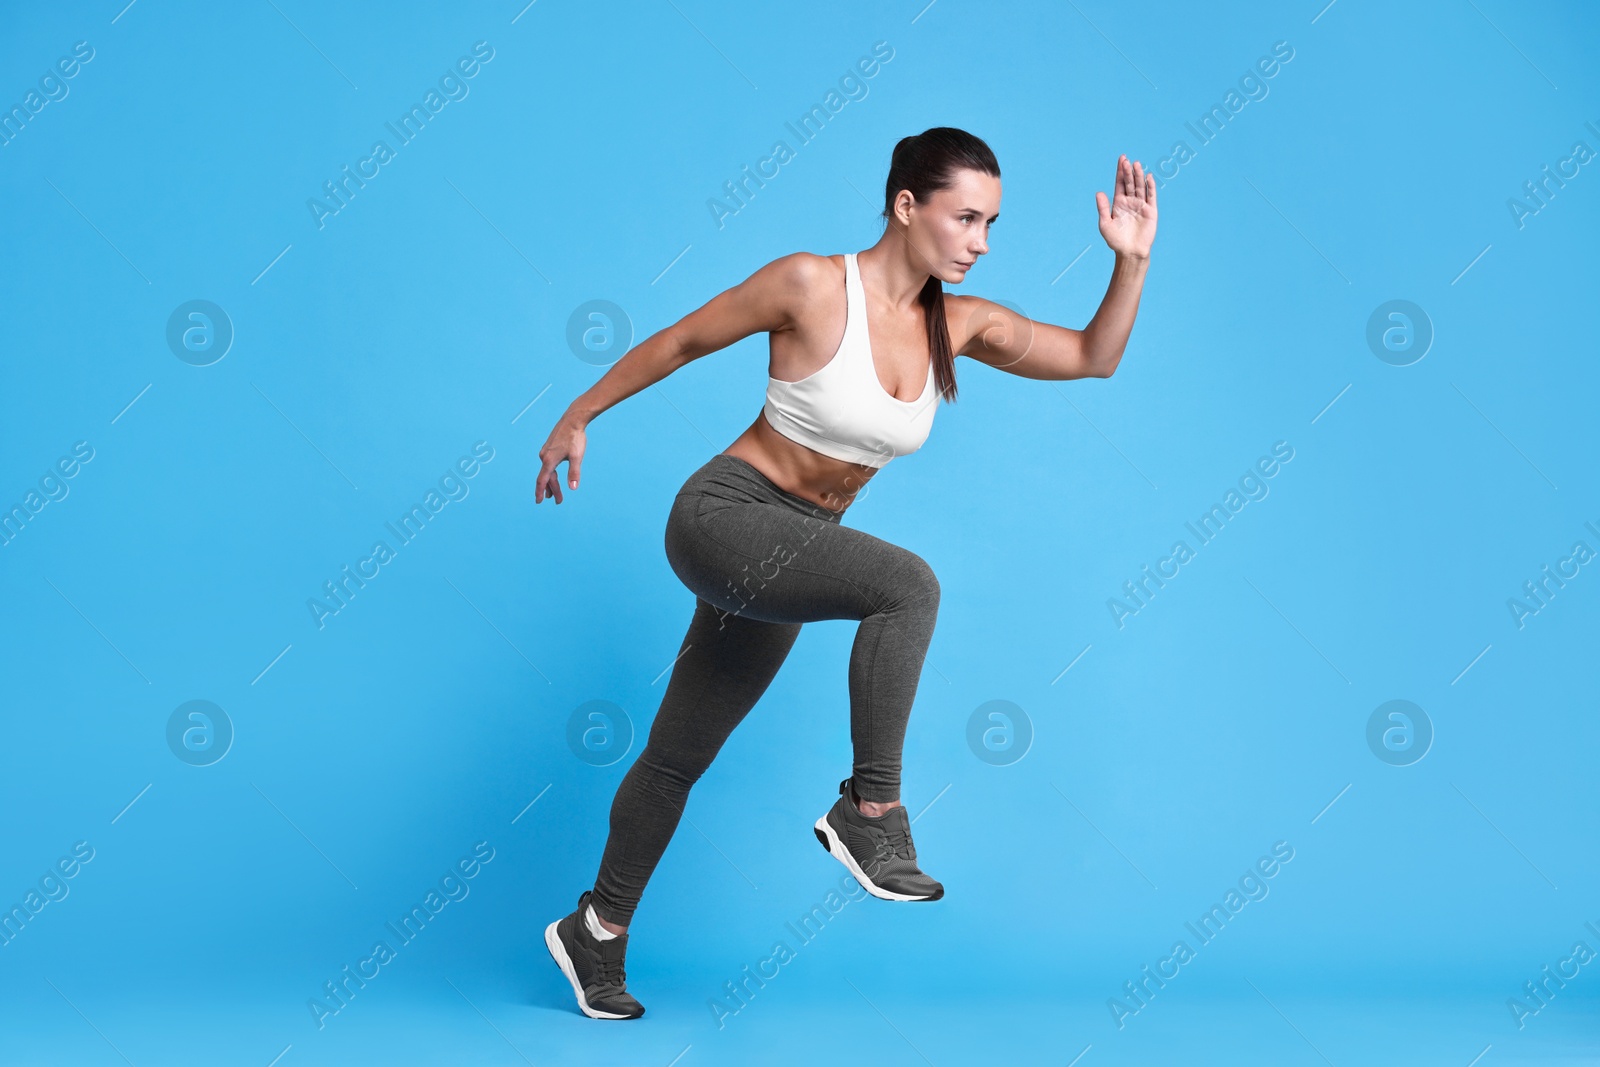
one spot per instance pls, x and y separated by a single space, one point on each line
830 841
558 952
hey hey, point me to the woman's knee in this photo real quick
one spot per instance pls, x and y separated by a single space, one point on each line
911 582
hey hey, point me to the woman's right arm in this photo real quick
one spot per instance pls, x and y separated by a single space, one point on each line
767 301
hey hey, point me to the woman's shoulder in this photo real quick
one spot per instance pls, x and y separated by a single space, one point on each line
966 316
798 283
807 270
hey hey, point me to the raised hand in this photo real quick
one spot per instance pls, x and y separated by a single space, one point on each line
1128 222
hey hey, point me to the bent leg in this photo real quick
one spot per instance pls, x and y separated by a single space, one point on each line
794 568
885 668
724 666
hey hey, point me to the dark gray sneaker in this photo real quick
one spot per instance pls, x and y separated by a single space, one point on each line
878 851
593 966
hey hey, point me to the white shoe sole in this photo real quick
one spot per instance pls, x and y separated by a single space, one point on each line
836 847
558 952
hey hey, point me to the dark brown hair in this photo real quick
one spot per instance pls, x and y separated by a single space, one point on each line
923 164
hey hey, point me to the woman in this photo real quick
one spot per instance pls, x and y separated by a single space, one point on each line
755 533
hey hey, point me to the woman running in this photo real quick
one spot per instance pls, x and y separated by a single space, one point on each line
756 535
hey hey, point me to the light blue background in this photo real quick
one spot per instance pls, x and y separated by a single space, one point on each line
428 314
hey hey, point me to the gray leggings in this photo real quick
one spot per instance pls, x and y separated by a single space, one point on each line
761 562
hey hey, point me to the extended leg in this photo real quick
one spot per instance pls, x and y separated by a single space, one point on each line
724 666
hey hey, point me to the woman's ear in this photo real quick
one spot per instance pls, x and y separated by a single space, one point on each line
902 206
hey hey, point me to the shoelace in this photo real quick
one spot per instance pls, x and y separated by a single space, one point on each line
609 972
894 843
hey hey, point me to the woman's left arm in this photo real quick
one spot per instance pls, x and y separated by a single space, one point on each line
1010 342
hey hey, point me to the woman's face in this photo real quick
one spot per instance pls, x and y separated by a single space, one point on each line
951 229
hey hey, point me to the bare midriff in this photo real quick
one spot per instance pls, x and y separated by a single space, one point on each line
794 468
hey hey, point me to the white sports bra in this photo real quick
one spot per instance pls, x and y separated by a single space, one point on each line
843 410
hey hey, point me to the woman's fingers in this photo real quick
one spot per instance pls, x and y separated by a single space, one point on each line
546 484
1138 180
566 445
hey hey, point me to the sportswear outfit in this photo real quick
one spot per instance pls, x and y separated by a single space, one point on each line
762 562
